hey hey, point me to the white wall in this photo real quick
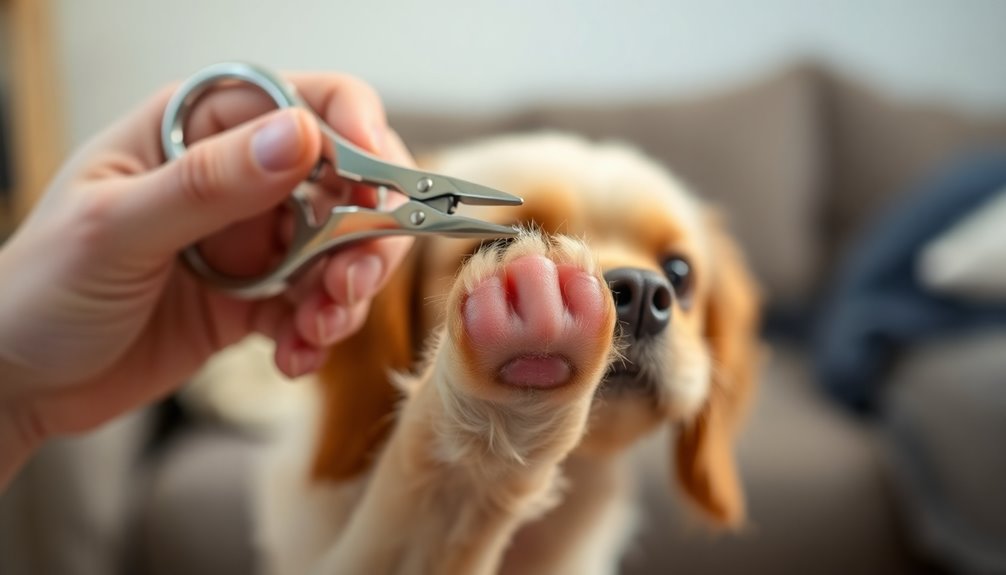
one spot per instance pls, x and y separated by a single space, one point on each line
465 55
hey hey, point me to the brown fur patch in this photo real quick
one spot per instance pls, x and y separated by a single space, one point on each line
706 468
358 397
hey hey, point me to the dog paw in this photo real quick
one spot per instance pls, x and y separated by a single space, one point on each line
535 316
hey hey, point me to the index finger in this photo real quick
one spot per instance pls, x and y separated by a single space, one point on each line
350 106
347 104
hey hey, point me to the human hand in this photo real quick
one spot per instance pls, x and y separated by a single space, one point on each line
96 314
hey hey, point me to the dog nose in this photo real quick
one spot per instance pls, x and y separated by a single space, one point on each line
642 300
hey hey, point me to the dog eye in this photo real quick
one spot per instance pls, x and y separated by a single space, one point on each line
679 273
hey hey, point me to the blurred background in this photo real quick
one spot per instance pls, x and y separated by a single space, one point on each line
857 148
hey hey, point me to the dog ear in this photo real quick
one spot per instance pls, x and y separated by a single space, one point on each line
358 396
706 467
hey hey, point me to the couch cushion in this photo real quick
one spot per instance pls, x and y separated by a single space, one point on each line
754 151
880 147
815 482
195 516
428 132
68 510
945 420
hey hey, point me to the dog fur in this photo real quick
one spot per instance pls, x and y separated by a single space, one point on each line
413 454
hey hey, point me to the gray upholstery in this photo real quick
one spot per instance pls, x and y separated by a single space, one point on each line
817 495
946 425
69 510
195 516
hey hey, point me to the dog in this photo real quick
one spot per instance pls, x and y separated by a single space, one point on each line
479 421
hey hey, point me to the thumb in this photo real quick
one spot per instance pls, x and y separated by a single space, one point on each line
220 180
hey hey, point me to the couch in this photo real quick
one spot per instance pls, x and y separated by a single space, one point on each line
799 162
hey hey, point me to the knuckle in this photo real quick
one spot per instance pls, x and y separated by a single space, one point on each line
95 220
357 317
361 91
165 92
365 89
343 81
199 176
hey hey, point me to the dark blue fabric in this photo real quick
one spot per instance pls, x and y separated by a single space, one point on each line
879 307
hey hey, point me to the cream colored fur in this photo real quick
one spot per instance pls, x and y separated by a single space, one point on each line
471 484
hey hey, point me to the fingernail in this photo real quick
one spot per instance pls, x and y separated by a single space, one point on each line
330 322
277 145
362 278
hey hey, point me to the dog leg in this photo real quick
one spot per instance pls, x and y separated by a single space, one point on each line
476 450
